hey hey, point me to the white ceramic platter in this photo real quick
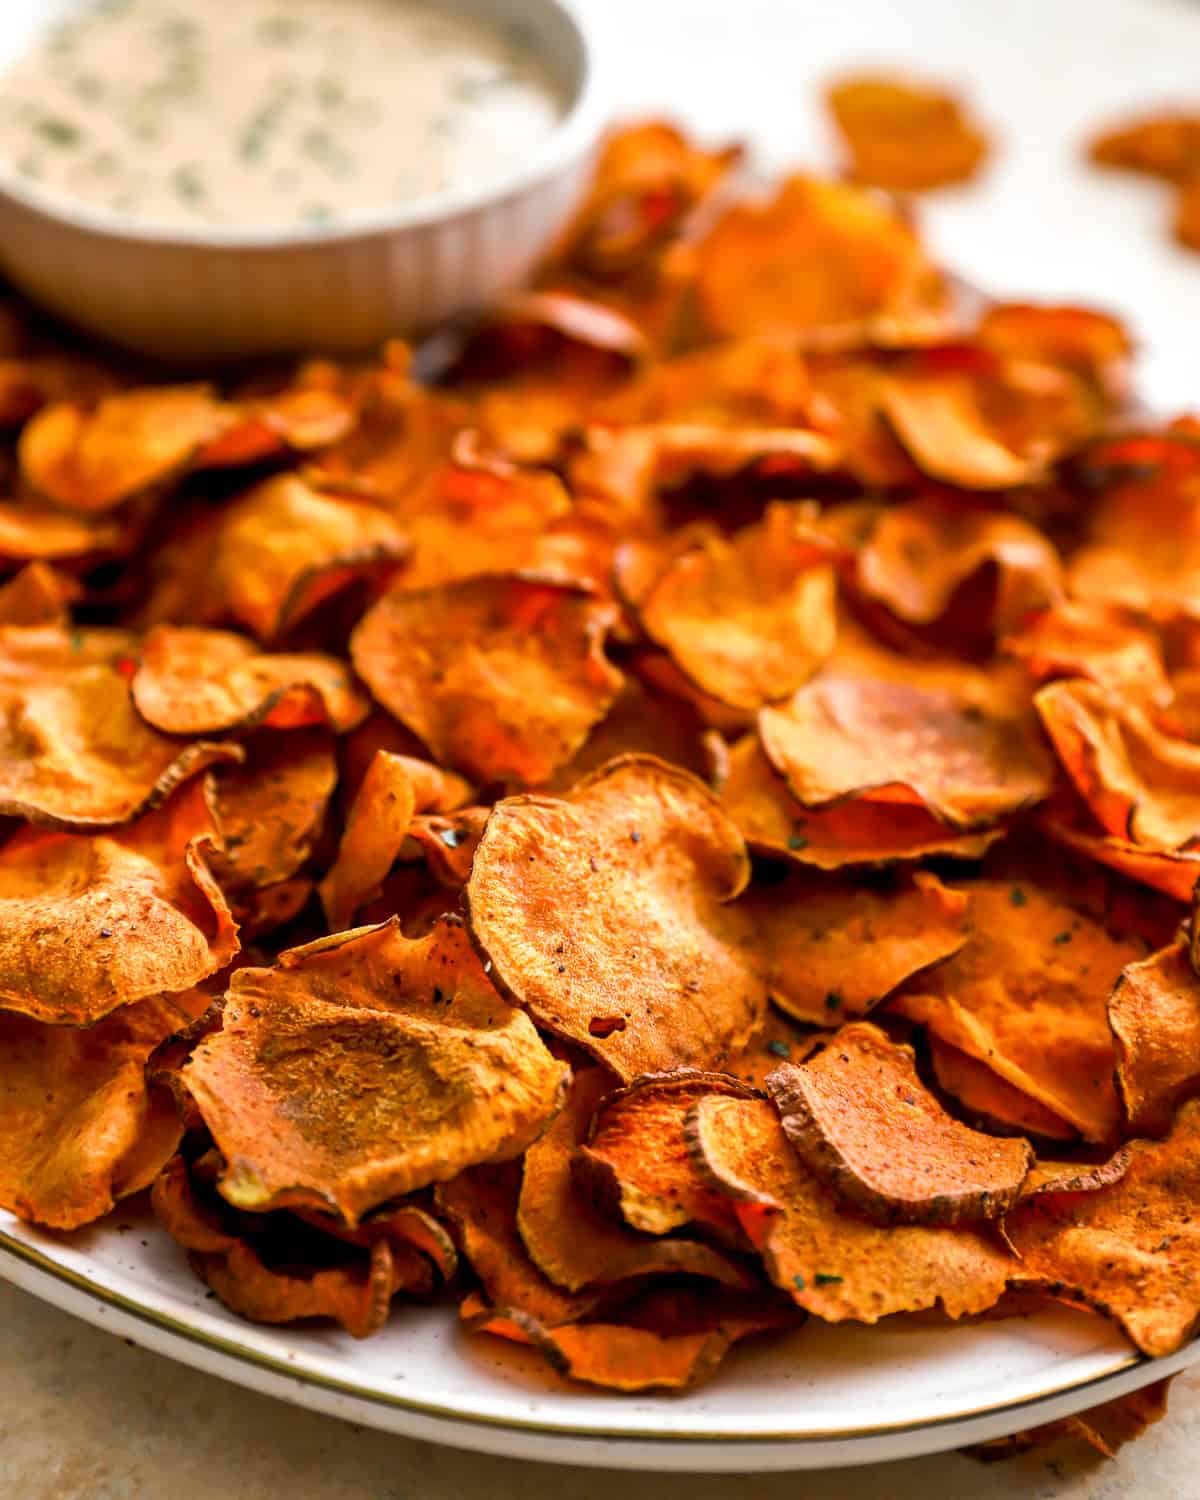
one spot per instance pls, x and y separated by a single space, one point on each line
1044 73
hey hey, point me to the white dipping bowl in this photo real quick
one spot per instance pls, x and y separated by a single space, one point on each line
178 292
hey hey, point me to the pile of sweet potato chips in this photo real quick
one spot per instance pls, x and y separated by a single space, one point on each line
669 810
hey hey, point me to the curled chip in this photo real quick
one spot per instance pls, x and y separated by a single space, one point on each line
902 135
635 1161
31 531
502 677
1093 641
74 753
832 1263
954 740
132 441
1130 1250
1174 871
988 1100
1139 783
81 1125
642 721
394 789
364 1066
1092 343
856 832
606 914
570 1240
89 923
832 262
1155 1017
1106 1428
1074 1177
865 1124
668 1339
192 681
833 948
940 421
38 595
1165 145
1028 996
749 620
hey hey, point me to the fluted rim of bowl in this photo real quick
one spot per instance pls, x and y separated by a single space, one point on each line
575 134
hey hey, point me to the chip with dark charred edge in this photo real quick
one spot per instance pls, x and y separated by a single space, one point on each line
856 832
91 922
571 1241
481 1205
81 1125
394 789
867 1127
833 1263
502 676
1164 145
269 812
1106 1428
634 1162
192 681
1130 1250
904 135
1154 1013
1093 641
642 721
553 337
74 752
956 741
1028 996
831 261
400 1223
832 948
1139 783
751 619
606 914
919 555
364 1066
989 1101
1047 1176
669 1339
131 442
1174 872
38 595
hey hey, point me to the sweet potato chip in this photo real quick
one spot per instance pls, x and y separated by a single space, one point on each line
1094 344
951 739
89 923
394 790
748 620
940 423
1075 638
606 915
779 1039
31 532
904 136
191 681
1174 872
1028 996
865 1124
1105 1428
364 1066
833 948
642 721
1155 1017
635 1164
74 753
1165 145
570 1240
831 1262
1130 1250
1047 1176
81 1126
988 1100
1186 223
1139 783
38 595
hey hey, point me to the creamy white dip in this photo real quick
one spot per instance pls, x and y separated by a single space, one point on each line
271 112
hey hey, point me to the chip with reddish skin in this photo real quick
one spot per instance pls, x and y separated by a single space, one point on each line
1173 871
1046 1176
903 135
867 1127
553 885
1154 1013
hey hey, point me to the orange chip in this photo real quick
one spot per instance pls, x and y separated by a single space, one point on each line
93 922
73 751
642 721
38 595
1075 638
1075 1177
390 795
1174 872
1139 783
830 1262
1187 214
364 1066
1155 1017
1028 996
574 1244
635 1163
1130 1250
81 1126
989 1100
192 681
1106 1428
31 532
606 915
902 135
865 1124
502 677
1165 145
296 420
1080 338
748 620
941 423
830 261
